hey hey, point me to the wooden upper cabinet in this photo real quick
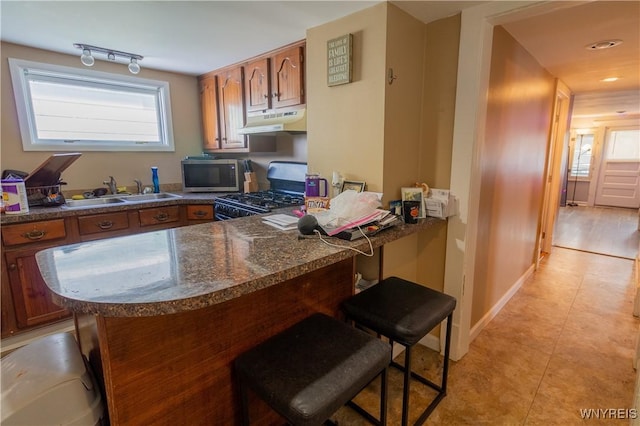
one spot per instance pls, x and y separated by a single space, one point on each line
231 107
288 81
275 80
209 104
257 78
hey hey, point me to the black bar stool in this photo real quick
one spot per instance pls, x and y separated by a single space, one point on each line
310 370
405 312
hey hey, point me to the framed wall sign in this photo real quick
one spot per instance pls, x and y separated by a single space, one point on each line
339 66
352 184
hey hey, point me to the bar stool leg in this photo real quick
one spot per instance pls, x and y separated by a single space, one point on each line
447 347
407 386
383 397
244 403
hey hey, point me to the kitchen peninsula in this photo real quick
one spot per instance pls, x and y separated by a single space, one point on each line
162 315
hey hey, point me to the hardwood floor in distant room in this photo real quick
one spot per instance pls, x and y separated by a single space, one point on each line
604 230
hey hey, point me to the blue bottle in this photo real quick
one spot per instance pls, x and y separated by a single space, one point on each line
155 179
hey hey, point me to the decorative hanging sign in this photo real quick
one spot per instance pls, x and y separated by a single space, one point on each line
339 66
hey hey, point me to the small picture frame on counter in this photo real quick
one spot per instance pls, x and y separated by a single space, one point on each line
395 207
354 185
414 194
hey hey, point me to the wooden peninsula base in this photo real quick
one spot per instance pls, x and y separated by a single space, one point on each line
178 369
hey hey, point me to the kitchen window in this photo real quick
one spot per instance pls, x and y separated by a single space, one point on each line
73 109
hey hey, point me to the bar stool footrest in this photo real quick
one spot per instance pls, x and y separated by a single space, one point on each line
418 377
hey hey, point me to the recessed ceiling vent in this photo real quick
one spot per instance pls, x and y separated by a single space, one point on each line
603 44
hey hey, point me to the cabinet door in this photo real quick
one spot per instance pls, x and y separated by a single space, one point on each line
103 223
209 103
257 78
159 216
31 297
200 212
33 232
289 77
231 108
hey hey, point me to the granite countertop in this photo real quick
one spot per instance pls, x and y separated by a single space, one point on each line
187 268
57 212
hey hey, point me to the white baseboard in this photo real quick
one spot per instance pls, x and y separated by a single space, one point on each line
477 328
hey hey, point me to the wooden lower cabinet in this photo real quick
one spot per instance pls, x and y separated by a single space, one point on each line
31 298
200 213
25 300
159 216
178 369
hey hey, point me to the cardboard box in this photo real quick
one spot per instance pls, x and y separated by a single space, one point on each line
316 204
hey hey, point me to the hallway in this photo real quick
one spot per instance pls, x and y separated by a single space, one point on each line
563 343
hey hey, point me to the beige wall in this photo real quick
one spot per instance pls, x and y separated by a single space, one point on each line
370 130
402 149
512 162
346 123
90 170
440 71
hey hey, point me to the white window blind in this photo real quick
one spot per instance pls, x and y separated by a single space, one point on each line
63 108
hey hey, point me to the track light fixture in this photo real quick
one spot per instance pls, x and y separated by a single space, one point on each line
87 56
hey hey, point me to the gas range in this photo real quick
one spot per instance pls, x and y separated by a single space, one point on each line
286 179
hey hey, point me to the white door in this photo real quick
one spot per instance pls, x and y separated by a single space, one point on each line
619 176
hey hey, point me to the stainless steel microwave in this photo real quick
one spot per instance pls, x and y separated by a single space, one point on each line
210 175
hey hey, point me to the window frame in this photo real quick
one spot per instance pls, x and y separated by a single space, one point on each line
572 147
30 141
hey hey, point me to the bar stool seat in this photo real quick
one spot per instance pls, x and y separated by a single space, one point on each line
405 312
310 370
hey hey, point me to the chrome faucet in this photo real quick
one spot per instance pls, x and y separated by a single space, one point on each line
139 185
113 187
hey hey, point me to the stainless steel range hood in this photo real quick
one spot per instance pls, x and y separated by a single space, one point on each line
293 121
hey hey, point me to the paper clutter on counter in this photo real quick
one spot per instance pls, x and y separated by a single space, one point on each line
440 203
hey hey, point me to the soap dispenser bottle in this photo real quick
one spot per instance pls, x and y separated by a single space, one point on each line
155 179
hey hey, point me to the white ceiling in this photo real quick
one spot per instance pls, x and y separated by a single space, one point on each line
194 37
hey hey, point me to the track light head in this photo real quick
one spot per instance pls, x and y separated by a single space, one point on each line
86 58
134 68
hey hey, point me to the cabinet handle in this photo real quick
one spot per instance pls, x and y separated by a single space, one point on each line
266 96
161 217
200 213
275 94
35 235
13 267
106 224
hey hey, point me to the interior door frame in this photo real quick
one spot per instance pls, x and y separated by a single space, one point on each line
556 150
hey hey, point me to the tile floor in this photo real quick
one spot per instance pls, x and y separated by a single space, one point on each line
564 342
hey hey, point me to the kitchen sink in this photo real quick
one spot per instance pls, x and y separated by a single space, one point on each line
150 197
92 202
119 199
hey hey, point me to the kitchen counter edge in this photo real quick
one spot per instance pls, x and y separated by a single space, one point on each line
48 213
316 255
